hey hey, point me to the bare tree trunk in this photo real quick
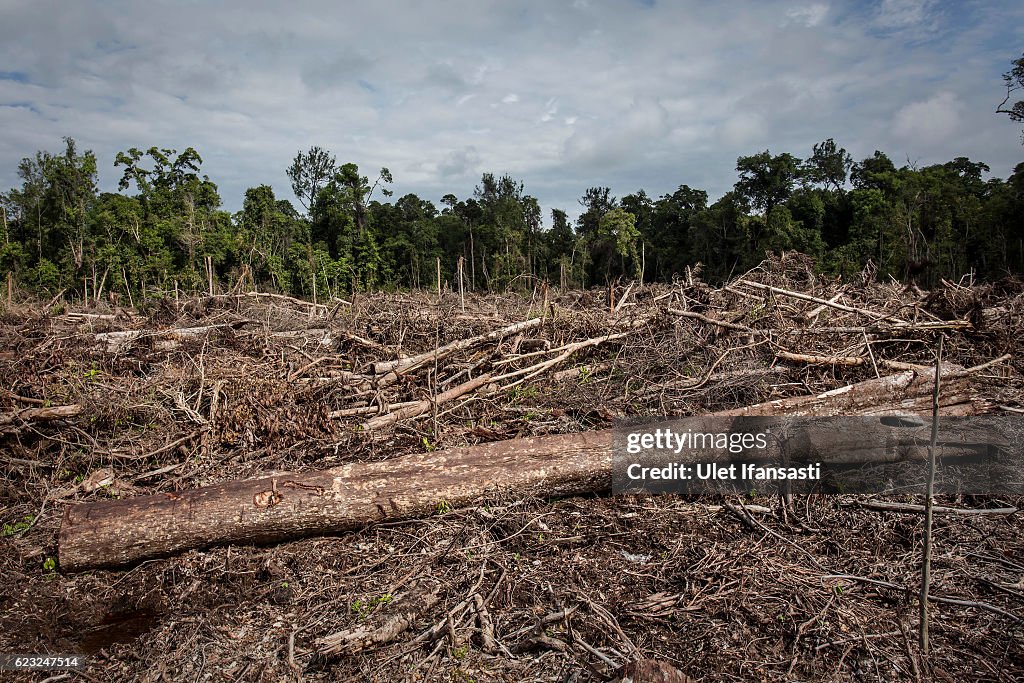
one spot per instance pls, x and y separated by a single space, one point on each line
284 506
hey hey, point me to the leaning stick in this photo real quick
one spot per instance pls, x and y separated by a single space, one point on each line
405 364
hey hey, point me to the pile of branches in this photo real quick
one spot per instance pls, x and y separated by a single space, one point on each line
99 403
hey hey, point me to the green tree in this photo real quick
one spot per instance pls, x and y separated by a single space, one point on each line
309 173
828 166
617 235
767 180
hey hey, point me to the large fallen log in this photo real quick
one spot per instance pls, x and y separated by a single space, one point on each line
165 339
286 506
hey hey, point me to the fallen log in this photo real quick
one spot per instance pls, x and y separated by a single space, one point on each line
904 393
166 339
11 423
287 506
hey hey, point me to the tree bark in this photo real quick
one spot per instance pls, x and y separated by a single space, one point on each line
288 506
11 423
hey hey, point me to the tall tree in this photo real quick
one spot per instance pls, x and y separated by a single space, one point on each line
828 166
767 180
310 172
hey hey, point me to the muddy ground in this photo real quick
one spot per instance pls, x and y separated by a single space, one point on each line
571 588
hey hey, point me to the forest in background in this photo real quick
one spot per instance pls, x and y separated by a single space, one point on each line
167 228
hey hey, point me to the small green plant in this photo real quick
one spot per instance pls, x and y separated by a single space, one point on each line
585 374
92 373
385 599
284 584
444 507
428 446
839 589
17 527
459 653
50 565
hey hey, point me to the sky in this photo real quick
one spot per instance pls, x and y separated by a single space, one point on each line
562 95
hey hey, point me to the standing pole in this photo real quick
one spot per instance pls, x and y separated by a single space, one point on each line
462 291
643 262
438 279
128 289
926 561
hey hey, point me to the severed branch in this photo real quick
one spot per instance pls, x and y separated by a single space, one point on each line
822 302
11 423
418 408
406 364
933 598
418 600
937 509
819 360
712 321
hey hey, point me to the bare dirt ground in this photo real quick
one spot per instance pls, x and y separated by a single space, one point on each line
514 588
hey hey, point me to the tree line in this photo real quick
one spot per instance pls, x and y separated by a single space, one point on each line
166 227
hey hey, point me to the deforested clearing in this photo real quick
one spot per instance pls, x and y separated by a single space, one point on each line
104 403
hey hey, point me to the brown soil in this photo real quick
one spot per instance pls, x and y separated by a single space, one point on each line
683 581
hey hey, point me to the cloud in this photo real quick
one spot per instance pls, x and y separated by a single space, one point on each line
900 14
563 96
742 129
807 15
928 122
460 163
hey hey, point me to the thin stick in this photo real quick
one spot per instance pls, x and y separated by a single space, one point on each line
820 360
831 304
462 290
867 343
128 289
929 502
885 506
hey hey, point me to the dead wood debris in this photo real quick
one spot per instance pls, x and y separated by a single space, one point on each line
272 384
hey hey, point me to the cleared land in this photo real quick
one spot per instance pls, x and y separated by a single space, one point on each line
112 404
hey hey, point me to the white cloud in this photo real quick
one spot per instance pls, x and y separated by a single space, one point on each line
619 94
901 14
808 15
743 129
928 122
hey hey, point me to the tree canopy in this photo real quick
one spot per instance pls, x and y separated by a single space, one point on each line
166 227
